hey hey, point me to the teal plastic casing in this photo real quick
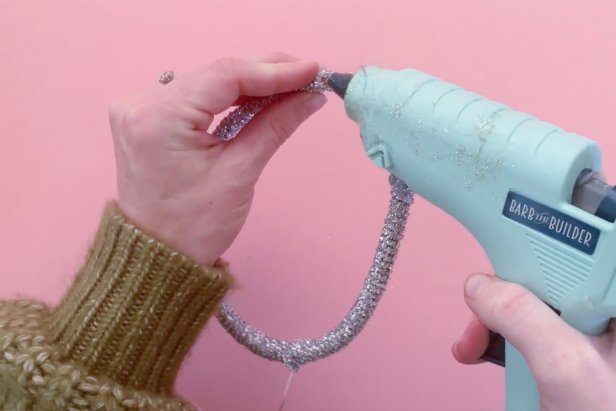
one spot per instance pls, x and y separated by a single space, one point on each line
466 155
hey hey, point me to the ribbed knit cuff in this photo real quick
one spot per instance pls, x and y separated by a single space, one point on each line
136 307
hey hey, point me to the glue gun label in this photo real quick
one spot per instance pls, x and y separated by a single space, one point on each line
553 223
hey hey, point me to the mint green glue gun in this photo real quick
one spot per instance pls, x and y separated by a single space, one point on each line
531 194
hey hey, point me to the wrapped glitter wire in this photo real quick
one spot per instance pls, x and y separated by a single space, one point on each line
231 125
296 353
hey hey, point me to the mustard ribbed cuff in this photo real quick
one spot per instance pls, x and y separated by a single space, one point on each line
136 307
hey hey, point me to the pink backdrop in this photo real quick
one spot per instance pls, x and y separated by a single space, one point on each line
309 240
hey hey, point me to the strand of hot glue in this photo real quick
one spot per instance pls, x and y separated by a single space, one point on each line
296 353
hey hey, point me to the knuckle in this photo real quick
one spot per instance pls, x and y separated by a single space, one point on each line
281 131
512 301
280 56
124 111
224 64
224 71
141 119
116 110
134 118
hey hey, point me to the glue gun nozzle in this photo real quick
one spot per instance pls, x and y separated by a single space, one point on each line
339 82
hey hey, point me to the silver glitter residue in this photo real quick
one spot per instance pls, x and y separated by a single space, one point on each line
295 354
231 125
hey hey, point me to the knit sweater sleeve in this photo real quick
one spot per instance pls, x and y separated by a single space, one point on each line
118 337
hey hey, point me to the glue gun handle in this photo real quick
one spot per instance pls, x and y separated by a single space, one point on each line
521 390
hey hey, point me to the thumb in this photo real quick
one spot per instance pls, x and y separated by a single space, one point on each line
523 319
259 140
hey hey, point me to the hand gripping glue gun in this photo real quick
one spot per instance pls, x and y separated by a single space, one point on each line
531 194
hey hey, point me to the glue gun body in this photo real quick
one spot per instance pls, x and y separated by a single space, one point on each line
530 193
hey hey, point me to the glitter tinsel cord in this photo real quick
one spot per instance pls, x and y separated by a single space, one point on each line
296 353
231 125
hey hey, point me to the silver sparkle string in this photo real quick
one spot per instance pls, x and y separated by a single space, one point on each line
231 125
295 354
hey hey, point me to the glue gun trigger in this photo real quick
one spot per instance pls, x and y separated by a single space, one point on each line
495 353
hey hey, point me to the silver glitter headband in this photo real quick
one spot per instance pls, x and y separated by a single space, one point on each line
296 353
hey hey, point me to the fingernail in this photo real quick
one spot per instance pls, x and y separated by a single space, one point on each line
474 283
315 102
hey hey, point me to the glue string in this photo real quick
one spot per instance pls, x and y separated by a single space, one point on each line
285 394
296 353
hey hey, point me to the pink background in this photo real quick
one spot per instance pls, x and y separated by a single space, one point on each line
302 257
